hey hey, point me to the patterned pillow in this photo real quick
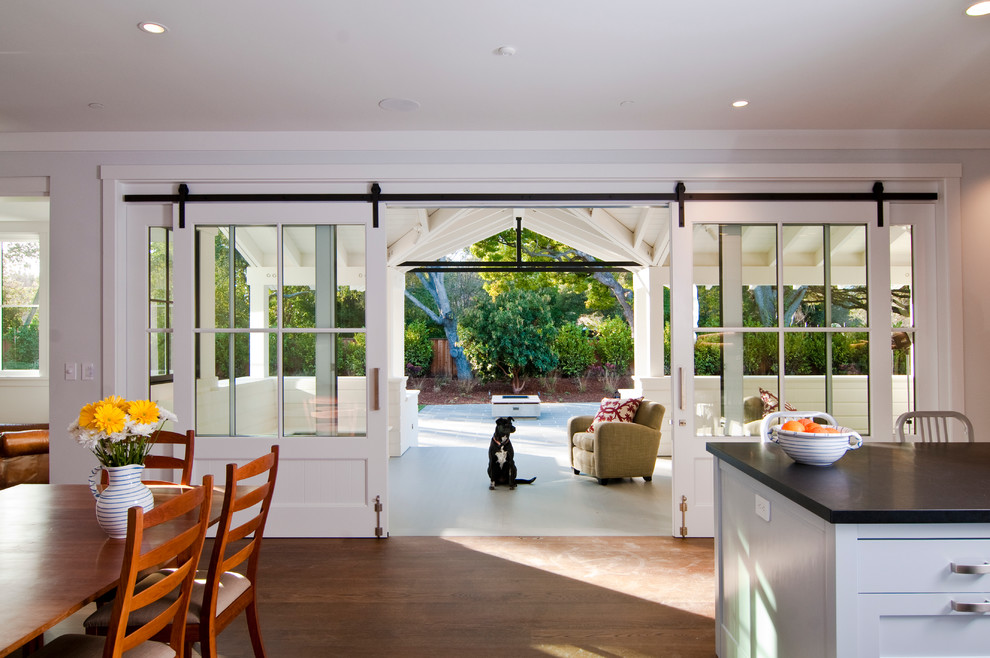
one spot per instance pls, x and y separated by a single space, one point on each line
614 410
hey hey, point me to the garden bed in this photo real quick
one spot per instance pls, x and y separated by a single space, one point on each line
453 391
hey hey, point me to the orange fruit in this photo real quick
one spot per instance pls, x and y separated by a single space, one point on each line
792 426
831 430
805 421
813 427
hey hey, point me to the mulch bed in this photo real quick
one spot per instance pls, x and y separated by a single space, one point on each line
453 391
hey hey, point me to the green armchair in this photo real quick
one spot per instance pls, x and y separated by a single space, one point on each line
617 450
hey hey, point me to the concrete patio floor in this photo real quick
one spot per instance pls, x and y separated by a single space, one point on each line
440 487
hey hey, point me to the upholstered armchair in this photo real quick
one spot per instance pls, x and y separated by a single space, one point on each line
617 449
23 454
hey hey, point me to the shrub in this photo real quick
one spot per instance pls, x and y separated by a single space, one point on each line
575 352
419 349
615 344
351 356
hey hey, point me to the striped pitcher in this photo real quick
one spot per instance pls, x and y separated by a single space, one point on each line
124 491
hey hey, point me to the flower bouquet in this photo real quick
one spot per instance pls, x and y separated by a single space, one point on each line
118 431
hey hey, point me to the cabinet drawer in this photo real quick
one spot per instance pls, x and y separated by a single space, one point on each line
921 625
923 565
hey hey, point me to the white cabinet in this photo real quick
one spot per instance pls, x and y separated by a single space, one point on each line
792 584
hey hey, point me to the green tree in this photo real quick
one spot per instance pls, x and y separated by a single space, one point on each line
608 292
511 335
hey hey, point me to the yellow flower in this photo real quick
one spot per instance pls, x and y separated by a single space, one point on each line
116 401
143 412
86 416
109 418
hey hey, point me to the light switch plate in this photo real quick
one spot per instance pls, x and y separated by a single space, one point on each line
88 371
70 371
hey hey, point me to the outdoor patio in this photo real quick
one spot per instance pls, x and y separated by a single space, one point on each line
440 488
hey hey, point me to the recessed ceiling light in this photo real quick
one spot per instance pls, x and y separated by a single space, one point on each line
979 9
740 103
626 103
95 106
504 51
398 104
152 28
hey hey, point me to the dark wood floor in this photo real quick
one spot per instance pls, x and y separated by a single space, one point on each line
504 596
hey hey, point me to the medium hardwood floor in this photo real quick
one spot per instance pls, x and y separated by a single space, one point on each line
484 596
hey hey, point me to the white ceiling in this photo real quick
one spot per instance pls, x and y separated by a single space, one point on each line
324 65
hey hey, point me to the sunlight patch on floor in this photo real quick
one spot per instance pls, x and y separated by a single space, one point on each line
661 570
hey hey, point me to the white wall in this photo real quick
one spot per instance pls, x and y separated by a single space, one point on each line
73 164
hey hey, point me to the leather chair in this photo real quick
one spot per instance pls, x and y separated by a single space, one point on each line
617 450
23 454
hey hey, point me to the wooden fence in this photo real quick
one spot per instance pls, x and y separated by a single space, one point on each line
443 363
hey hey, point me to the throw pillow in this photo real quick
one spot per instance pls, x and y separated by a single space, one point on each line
613 410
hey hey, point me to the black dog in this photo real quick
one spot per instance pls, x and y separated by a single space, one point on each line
501 456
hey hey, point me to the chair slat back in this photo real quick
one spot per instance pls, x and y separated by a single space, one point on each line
258 501
934 426
183 520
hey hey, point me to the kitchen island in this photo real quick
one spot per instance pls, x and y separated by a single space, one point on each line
884 553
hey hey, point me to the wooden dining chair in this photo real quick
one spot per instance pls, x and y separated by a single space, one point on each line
219 593
184 464
934 426
179 549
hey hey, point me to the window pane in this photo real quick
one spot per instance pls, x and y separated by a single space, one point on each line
803 249
20 339
850 381
212 385
901 276
731 370
847 276
233 287
759 275
159 354
20 274
805 364
325 288
325 390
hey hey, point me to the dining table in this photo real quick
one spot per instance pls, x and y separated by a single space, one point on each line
55 558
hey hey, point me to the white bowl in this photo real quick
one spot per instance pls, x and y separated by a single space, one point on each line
816 448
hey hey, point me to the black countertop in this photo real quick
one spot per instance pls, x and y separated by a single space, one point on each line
879 483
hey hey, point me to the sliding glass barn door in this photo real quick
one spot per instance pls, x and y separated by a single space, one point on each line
775 306
271 330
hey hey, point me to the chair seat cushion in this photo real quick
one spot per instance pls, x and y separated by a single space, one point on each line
585 441
614 410
232 585
91 646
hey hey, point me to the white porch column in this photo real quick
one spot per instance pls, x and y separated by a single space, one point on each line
648 374
403 405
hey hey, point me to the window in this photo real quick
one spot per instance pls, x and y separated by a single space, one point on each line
20 304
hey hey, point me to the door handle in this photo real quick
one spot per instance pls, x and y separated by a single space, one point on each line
375 400
680 388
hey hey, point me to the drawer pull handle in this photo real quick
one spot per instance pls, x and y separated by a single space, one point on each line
971 607
970 568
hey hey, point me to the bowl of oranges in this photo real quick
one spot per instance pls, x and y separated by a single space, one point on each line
807 441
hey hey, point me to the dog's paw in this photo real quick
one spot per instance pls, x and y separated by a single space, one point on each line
512 486
491 487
